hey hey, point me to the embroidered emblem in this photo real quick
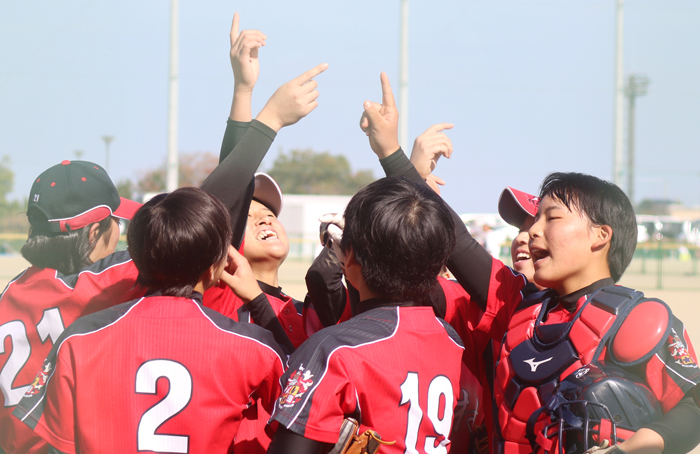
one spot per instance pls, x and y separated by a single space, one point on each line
40 380
677 349
36 197
297 385
535 364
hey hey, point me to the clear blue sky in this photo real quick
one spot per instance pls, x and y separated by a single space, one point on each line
528 84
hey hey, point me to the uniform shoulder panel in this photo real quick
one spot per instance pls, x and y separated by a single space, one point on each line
100 266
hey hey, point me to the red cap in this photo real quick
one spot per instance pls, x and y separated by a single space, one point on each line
514 206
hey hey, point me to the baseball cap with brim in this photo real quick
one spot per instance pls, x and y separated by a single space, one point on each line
268 192
515 206
72 195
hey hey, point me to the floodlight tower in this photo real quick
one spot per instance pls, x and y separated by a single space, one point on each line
636 86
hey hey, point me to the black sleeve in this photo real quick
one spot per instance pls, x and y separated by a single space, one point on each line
679 427
235 130
232 180
469 262
325 289
261 311
287 442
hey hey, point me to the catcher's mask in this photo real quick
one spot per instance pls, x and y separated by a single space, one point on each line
593 404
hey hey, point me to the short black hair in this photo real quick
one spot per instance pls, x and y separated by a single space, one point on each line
603 203
401 234
174 238
68 253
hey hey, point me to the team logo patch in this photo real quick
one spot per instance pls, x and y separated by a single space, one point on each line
297 385
40 380
677 349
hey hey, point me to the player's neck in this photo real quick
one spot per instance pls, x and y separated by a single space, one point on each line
267 275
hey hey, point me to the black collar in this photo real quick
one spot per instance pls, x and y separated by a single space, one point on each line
270 290
195 295
570 301
373 303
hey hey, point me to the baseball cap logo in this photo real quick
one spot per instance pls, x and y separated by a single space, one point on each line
36 197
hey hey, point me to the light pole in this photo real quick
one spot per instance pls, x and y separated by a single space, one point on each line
171 178
619 96
403 77
636 86
108 140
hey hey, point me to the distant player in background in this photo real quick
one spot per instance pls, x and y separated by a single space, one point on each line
161 373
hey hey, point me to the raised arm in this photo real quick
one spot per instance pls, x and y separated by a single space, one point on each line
232 181
469 262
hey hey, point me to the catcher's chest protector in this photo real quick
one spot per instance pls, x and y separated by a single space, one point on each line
535 356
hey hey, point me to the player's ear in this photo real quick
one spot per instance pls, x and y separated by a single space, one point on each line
353 270
603 236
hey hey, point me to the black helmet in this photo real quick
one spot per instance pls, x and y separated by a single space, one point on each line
593 404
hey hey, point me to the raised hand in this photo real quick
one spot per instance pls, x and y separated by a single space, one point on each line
292 101
239 276
434 183
244 55
381 122
428 148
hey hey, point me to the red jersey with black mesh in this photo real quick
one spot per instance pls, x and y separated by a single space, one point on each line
394 369
35 308
176 378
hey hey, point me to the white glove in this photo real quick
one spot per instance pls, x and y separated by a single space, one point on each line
336 224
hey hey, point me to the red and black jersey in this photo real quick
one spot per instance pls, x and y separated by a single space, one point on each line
161 374
394 369
223 300
35 308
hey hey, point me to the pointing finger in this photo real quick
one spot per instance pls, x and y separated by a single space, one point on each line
310 74
439 127
387 94
234 28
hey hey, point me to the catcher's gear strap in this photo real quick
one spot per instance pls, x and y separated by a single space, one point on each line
641 333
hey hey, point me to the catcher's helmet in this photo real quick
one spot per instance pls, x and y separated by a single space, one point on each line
591 405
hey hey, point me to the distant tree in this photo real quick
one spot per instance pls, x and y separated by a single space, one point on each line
7 179
311 172
125 188
194 168
12 212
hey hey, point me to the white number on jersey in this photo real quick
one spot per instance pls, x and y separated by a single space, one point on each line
439 386
173 403
50 326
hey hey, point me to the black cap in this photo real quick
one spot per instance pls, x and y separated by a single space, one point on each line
72 195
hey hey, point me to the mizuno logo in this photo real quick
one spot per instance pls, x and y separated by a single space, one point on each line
535 364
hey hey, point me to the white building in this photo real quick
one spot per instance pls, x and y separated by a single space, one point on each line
300 215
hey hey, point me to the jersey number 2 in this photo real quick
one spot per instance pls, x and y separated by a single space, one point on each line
174 402
50 326
439 386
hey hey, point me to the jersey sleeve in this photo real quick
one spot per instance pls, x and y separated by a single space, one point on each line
673 370
314 405
49 400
